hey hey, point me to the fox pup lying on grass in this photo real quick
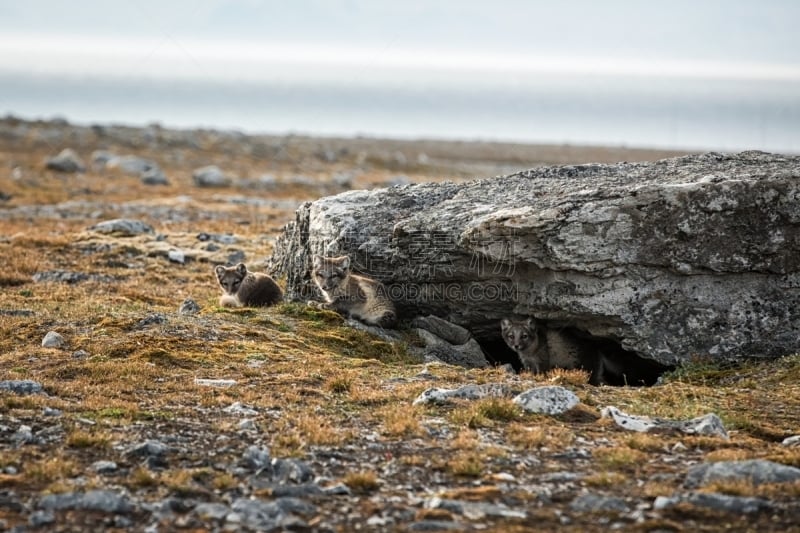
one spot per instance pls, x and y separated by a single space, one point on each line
540 349
242 288
351 295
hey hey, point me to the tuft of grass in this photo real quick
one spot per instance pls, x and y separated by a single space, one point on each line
340 384
88 440
466 464
484 413
224 481
605 479
141 478
363 482
554 437
50 470
646 442
619 457
574 377
400 421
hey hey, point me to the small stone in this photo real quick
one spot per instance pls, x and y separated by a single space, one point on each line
176 256
709 425
467 392
728 504
66 161
436 525
95 500
148 448
340 489
238 408
551 400
662 502
246 425
447 331
212 511
122 227
295 470
154 176
791 441
101 157
104 467
53 340
152 319
210 176
80 354
755 471
131 164
49 411
257 514
256 458
41 518
214 382
23 435
22 386
189 307
592 503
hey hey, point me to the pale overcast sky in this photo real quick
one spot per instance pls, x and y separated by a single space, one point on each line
746 36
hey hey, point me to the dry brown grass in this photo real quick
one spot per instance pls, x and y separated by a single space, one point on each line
314 383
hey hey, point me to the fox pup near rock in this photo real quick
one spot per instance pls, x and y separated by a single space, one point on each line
242 288
351 295
541 349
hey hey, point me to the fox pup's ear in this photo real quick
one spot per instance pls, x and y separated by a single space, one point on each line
529 322
219 270
241 269
345 263
505 323
317 262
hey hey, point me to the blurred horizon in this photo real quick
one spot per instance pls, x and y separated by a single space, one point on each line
681 74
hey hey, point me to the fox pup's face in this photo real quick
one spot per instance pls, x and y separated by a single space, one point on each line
330 272
519 335
230 278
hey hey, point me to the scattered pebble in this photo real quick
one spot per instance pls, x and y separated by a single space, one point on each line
189 307
203 382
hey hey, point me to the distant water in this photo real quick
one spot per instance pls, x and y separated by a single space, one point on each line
682 113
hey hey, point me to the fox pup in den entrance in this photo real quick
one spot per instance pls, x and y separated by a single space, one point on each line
540 349
349 294
242 288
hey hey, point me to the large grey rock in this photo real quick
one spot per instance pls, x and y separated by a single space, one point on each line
697 254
